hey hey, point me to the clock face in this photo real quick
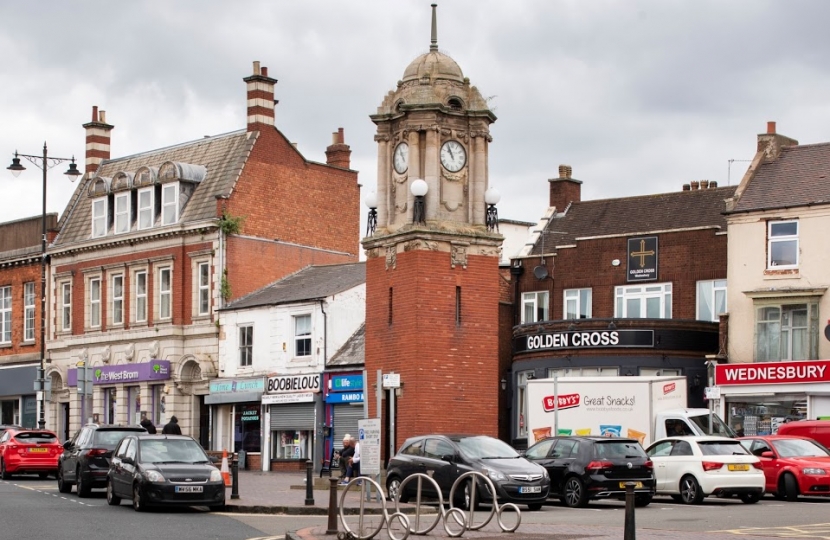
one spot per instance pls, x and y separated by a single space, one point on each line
400 159
453 156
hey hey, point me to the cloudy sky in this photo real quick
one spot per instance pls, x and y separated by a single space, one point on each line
638 97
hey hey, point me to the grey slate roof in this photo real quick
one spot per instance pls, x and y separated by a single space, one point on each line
223 156
799 177
353 352
310 283
636 215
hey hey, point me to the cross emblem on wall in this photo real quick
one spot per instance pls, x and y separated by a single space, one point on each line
642 254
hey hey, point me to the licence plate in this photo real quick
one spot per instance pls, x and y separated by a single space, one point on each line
738 467
188 489
530 489
38 450
637 485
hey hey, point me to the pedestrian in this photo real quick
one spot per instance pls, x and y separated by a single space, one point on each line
172 427
345 458
355 460
146 424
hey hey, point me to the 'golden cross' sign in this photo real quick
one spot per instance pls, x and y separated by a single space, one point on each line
642 254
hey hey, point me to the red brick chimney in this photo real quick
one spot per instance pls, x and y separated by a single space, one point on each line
260 98
339 153
771 142
564 190
97 140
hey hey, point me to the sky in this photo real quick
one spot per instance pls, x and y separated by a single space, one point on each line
638 97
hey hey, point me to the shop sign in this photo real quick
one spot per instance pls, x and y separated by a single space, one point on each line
345 397
642 259
250 415
277 399
293 383
154 370
224 386
346 383
811 371
589 339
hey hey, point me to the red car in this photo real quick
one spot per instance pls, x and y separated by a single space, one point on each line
792 465
33 451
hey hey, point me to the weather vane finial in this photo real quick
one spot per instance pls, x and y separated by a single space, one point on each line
433 43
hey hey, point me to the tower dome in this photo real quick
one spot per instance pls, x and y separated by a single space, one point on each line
435 65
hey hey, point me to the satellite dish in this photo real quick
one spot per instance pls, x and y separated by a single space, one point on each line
540 272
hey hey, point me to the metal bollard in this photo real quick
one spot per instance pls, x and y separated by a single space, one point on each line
234 477
630 532
309 487
332 525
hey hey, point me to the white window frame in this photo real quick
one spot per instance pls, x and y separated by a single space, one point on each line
99 217
169 208
146 213
298 337
29 311
122 216
94 299
165 295
536 300
117 299
6 314
605 371
202 288
246 345
784 330
781 239
66 306
708 292
643 292
139 296
576 298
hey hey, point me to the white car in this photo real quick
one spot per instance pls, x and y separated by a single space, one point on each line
691 468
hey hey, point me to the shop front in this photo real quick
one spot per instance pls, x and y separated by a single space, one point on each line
18 405
344 408
293 403
236 417
756 398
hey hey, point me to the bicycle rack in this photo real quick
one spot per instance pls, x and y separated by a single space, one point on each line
495 509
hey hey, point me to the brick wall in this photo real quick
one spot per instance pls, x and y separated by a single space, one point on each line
16 277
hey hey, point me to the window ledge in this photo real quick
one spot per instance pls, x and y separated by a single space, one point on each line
27 343
5 345
782 273
200 318
142 324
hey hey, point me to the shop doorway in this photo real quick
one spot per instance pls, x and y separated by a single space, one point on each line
204 423
64 421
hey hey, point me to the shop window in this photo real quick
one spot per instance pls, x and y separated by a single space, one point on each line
577 304
763 416
110 405
95 303
159 412
6 314
145 208
165 293
66 306
782 247
291 444
134 405
117 295
122 213
247 428
29 311
141 296
246 345
786 332
535 307
99 217
711 299
521 402
302 335
643 301
10 412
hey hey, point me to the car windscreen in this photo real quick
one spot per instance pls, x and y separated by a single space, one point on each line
35 437
798 448
171 451
618 450
108 438
485 448
718 427
722 448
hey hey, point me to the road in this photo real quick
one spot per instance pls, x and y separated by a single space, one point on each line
33 508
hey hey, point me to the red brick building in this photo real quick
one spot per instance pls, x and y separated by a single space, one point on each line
152 244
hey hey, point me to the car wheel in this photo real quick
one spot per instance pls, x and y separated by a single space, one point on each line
467 497
642 500
4 474
83 489
534 507
575 496
112 498
63 485
790 487
393 490
690 492
750 498
138 504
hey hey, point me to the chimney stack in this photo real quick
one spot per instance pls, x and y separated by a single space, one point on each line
260 98
771 143
565 189
339 153
97 140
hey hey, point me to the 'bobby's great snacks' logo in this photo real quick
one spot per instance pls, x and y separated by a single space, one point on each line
566 401
669 388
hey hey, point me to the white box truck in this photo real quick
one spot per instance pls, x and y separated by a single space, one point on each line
643 408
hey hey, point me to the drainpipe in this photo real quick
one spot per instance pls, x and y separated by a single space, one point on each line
325 333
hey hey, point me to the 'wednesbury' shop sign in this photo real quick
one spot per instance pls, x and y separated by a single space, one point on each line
155 370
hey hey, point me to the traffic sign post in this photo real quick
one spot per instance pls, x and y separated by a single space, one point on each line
369 439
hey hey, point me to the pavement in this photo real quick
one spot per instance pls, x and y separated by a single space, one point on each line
285 493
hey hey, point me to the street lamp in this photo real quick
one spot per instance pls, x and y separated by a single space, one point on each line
491 199
419 189
43 162
372 203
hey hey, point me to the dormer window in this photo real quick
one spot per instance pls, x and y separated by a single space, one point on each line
455 104
145 208
122 213
99 217
169 204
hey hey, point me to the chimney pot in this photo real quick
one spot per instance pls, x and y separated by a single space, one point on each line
334 138
770 127
340 136
565 171
102 117
713 184
256 67
95 113
264 71
704 184
695 185
687 187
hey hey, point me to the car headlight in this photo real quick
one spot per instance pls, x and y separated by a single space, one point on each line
494 474
154 476
215 475
813 470
544 472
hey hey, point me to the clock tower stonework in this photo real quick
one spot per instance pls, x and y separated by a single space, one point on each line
432 275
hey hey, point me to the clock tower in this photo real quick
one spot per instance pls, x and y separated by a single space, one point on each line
432 274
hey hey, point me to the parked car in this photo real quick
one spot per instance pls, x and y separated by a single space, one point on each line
154 470
4 427
818 430
29 451
86 457
792 465
585 468
691 468
446 457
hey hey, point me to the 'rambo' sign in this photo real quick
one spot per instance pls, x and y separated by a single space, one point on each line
589 339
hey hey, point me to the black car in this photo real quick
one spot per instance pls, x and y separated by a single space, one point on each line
154 470
586 468
86 457
446 457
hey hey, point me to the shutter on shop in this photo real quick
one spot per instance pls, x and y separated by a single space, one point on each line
345 421
292 416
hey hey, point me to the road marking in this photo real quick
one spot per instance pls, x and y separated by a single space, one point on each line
280 537
814 530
